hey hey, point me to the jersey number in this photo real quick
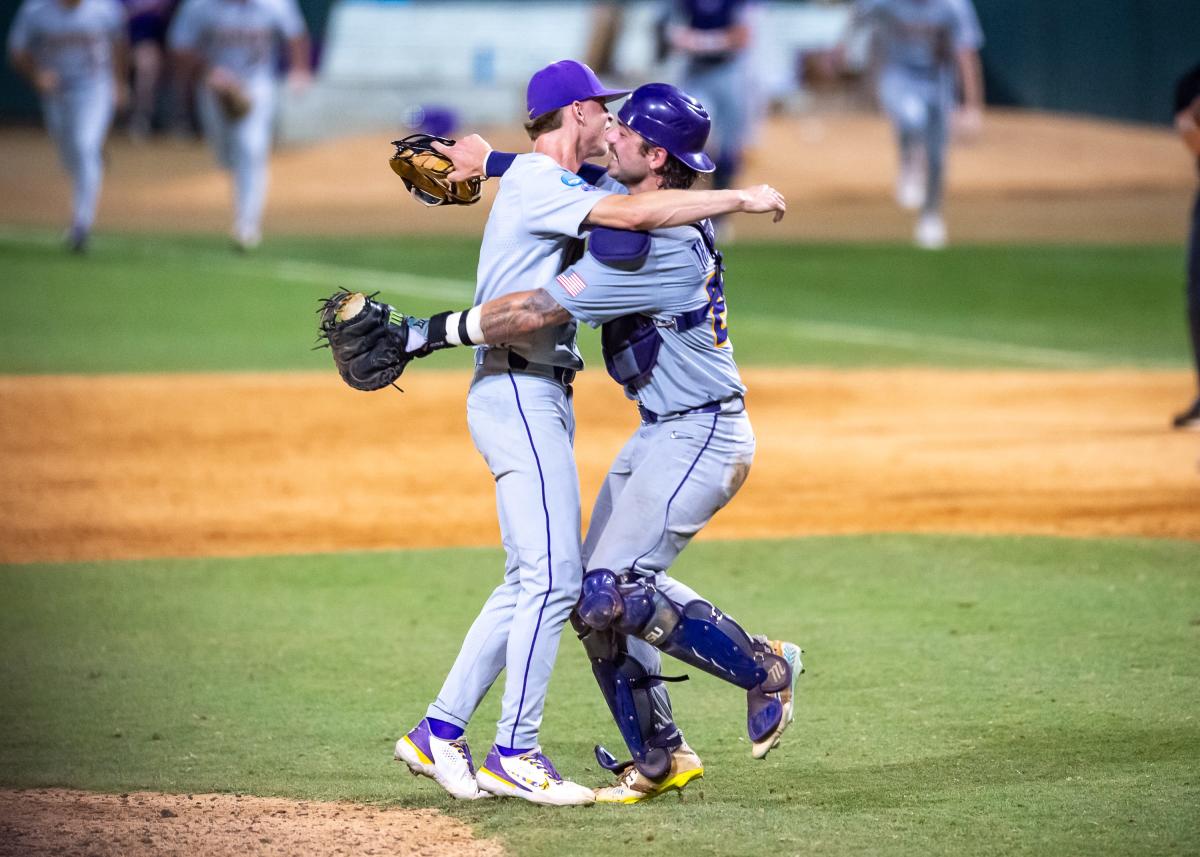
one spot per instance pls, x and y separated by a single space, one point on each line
716 300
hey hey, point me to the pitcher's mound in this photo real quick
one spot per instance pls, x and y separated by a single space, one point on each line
68 823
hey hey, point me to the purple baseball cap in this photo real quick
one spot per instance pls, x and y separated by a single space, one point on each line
560 83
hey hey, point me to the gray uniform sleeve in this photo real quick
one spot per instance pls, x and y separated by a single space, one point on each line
184 34
595 293
291 21
968 35
20 36
118 30
556 202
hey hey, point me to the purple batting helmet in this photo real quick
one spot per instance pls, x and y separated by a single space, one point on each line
668 117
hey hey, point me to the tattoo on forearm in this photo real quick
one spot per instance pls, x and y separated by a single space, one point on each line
517 315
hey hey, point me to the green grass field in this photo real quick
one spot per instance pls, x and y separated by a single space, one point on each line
140 303
963 696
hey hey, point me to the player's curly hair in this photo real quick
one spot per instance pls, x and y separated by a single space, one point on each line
675 174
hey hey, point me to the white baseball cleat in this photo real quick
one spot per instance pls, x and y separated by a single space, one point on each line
931 232
530 776
448 763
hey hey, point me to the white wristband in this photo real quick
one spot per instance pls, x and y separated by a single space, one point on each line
474 327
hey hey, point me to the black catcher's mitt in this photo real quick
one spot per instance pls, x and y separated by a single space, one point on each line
367 339
423 171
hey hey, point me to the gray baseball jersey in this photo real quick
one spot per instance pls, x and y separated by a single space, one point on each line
694 366
919 36
241 36
534 228
76 43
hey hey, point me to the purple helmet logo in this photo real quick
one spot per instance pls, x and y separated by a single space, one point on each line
668 117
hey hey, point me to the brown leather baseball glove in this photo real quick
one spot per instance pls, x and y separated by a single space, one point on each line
424 172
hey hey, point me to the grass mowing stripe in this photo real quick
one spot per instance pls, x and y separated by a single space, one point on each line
366 280
964 695
977 348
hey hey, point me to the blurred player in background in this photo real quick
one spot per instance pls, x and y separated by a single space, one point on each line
921 48
232 48
1187 122
73 52
713 37
148 21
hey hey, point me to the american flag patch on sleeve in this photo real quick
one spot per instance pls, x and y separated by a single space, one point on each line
572 283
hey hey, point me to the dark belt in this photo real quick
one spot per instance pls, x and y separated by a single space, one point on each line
561 374
650 418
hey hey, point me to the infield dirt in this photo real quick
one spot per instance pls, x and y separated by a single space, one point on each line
118 467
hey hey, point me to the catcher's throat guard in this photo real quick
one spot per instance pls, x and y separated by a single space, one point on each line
424 171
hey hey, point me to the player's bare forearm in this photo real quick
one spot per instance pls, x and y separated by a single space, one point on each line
23 62
660 209
971 73
519 314
120 67
1187 123
299 64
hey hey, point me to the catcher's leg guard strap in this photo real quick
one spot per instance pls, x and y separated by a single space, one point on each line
698 634
709 640
627 690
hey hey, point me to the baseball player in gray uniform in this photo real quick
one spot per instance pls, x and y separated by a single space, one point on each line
921 45
73 51
660 298
232 47
521 419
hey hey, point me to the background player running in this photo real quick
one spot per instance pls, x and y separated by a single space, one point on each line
521 419
73 52
661 300
713 36
148 21
919 47
232 45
